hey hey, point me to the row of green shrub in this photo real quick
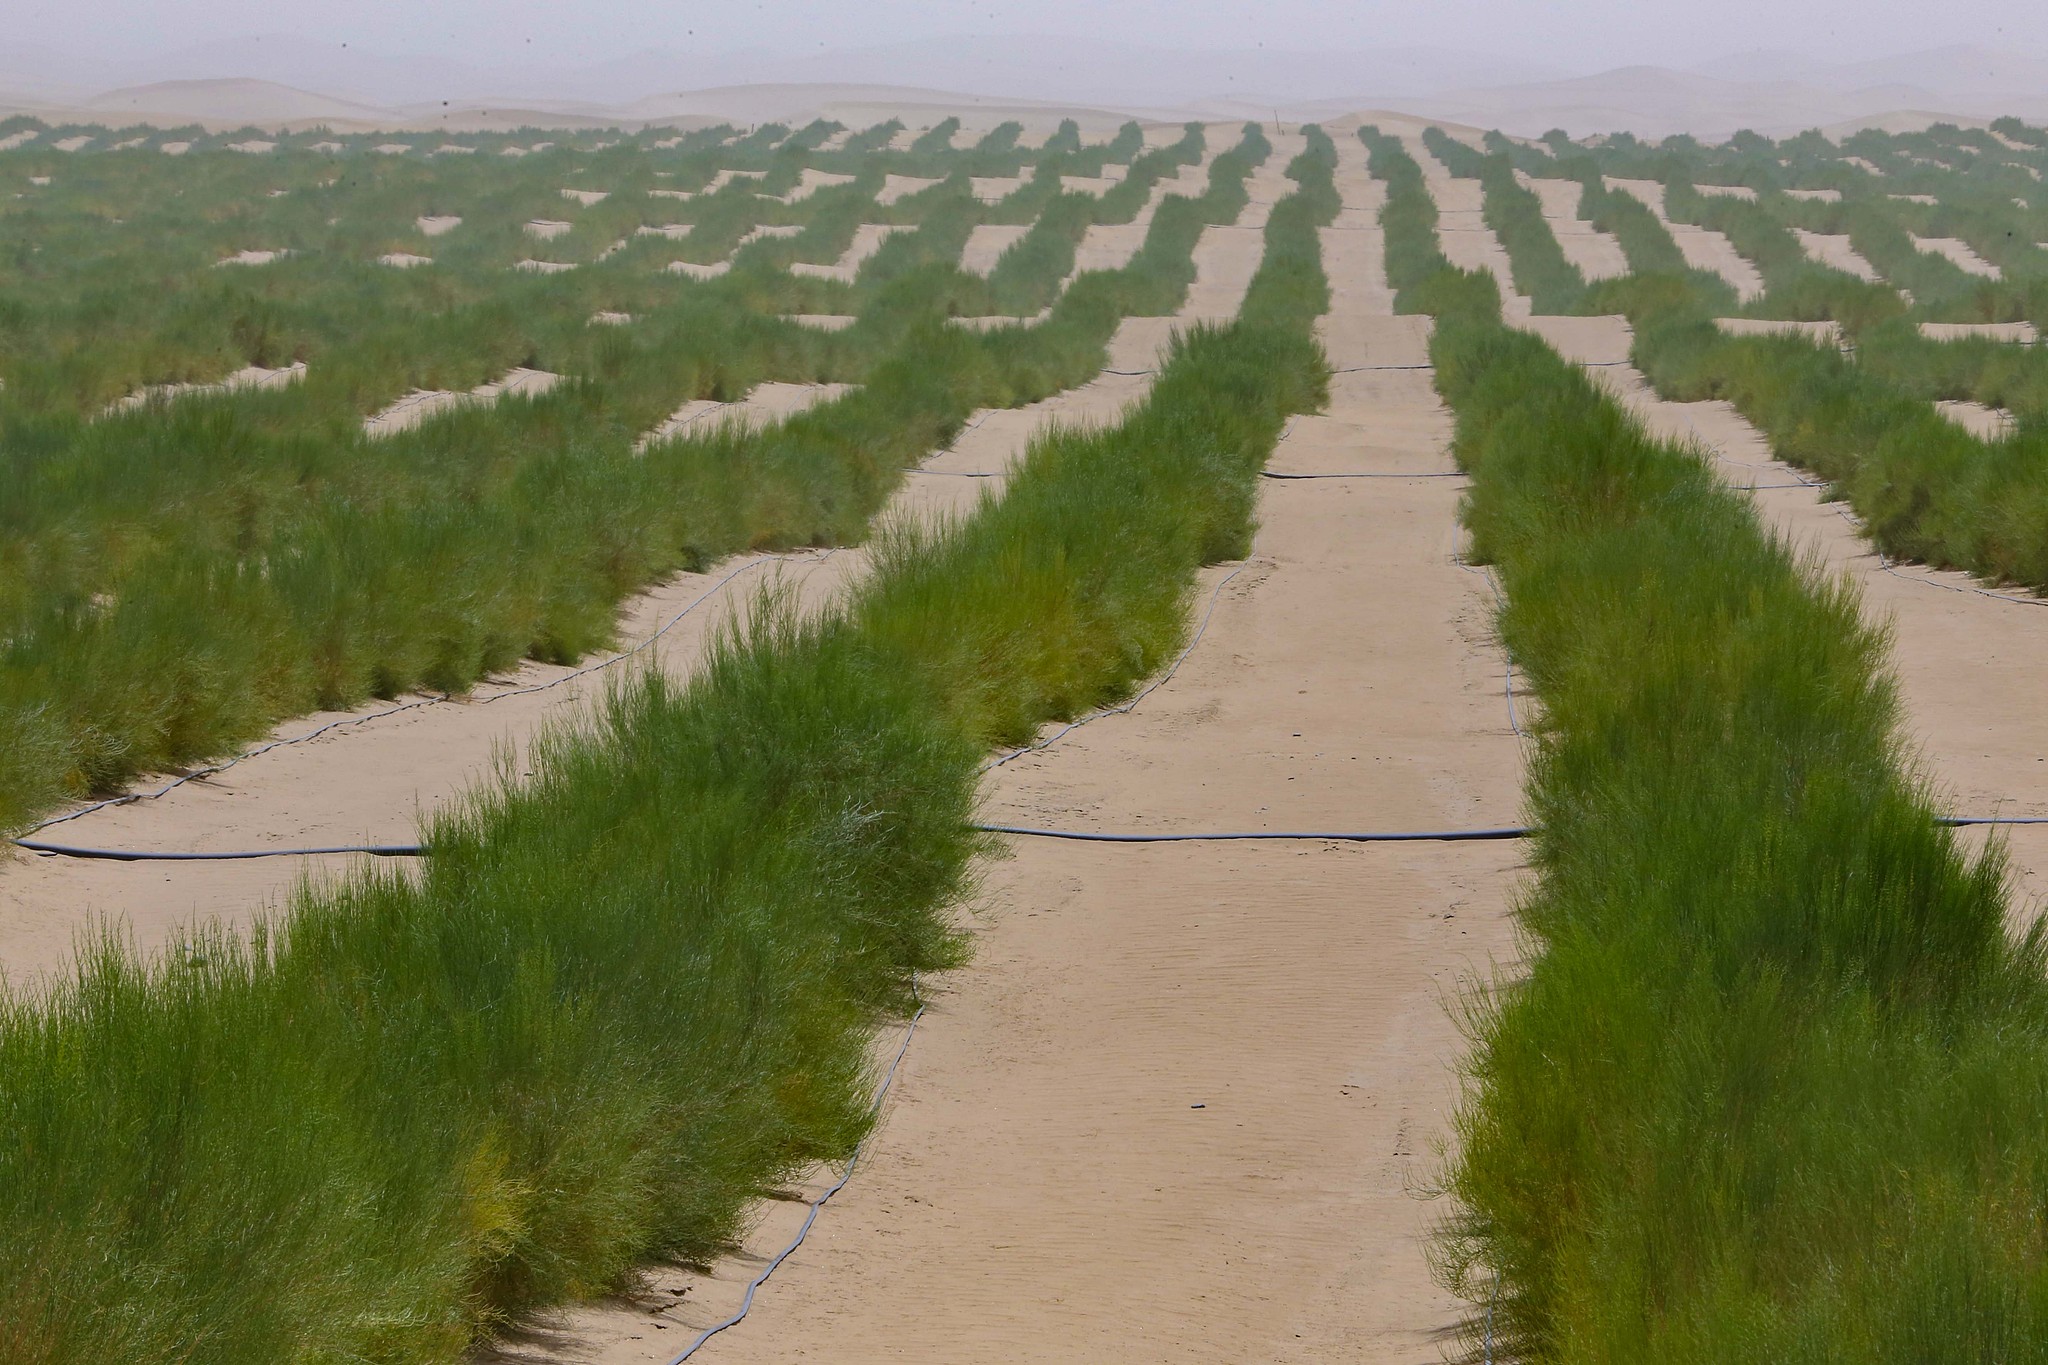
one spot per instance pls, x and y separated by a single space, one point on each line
634 991
1768 1086
185 578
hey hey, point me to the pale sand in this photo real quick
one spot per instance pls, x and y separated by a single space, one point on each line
987 243
1833 250
1915 198
1823 196
248 377
404 260
809 182
534 267
409 411
764 403
1596 254
73 144
548 229
1968 665
587 197
253 147
700 271
39 181
452 149
867 240
175 148
822 322
670 230
895 187
1468 242
1109 246
1178 1106
369 782
392 148
1757 327
905 136
1960 252
1983 422
1097 185
2018 333
1862 165
434 226
20 139
605 317
1737 191
1702 248
993 189
253 258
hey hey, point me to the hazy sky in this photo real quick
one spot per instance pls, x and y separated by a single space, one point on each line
1572 35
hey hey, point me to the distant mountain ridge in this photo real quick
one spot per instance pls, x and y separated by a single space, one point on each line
1031 77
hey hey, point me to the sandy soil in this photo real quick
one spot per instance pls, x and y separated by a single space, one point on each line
1927 199
409 411
543 267
74 144
253 257
1729 191
809 182
987 243
993 189
896 187
1868 167
867 240
1178 1106
823 322
1824 196
20 139
1702 248
1968 663
1757 327
1984 422
1960 252
435 225
248 377
547 229
587 197
2020 333
700 270
404 260
1109 246
1597 254
1833 250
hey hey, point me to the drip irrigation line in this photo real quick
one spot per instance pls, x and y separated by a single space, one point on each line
1422 474
127 855
1124 707
811 1216
1345 837
215 769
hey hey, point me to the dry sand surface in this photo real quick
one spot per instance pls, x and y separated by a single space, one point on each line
986 244
1984 422
1958 251
867 240
896 187
248 377
1597 254
1833 250
2020 333
434 225
1176 1108
1759 327
1969 664
1703 248
420 404
404 260
1824 196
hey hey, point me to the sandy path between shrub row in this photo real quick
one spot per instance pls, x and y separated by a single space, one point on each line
1176 1107
1968 665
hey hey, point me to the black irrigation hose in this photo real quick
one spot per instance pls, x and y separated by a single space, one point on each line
1442 836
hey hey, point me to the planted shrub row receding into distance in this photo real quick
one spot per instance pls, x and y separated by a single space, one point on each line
1769 1087
631 992
188 577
